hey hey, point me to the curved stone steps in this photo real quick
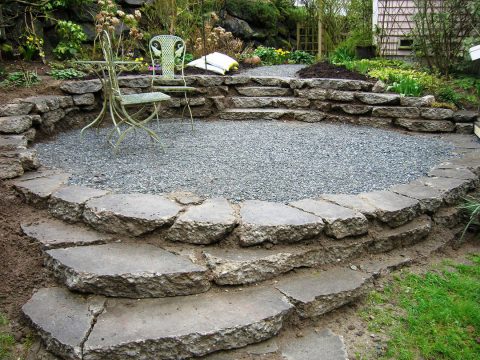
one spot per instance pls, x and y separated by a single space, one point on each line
243 102
95 327
256 91
272 114
132 270
168 328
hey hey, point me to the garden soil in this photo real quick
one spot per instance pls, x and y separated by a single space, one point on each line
326 70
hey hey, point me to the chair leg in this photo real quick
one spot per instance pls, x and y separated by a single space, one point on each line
187 105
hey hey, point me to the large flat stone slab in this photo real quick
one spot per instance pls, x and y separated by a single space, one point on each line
127 270
15 124
184 327
63 319
402 236
430 198
339 221
393 209
12 142
67 203
453 189
263 221
132 214
319 292
37 191
352 202
246 266
462 174
323 345
207 223
255 91
243 102
53 234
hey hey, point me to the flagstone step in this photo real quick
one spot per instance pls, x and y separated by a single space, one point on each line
133 270
272 114
168 328
242 102
256 91
51 234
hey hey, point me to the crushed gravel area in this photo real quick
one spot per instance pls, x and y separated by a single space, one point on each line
289 70
266 160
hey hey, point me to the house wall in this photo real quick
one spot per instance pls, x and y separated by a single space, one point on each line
393 21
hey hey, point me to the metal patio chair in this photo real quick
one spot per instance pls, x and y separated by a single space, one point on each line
115 103
167 53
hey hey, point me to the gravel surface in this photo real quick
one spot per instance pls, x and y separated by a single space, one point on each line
273 71
267 160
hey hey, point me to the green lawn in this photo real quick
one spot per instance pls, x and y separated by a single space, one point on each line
432 316
7 342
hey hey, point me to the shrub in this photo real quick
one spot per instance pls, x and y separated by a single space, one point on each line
447 94
66 74
301 57
407 86
218 40
71 36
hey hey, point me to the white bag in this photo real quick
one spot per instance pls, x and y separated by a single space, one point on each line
222 61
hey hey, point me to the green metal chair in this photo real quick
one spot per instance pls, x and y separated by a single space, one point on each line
167 53
115 103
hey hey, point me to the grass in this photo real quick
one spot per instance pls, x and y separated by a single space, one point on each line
7 341
433 316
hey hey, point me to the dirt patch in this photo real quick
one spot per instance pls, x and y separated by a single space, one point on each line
21 269
326 70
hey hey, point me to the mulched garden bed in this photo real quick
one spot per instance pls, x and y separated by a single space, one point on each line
326 70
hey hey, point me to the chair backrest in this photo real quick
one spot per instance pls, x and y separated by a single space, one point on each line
109 58
167 51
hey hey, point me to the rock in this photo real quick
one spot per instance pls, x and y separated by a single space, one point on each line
29 159
437 114
319 292
379 87
15 109
37 191
30 134
81 86
462 128
430 199
207 223
246 266
139 81
53 234
453 189
45 103
255 91
208 80
335 84
263 102
49 119
393 209
425 125
132 214
463 116
67 203
63 319
449 217
340 95
339 221
310 116
186 326
112 269
402 236
253 114
352 202
186 198
263 221
15 124
353 109
386 265
462 174
396 112
324 106
238 27
417 101
323 345
374 122
238 80
378 99
270 81
10 168
84 99
12 142
313 94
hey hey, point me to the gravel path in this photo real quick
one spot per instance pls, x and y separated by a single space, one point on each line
273 71
267 160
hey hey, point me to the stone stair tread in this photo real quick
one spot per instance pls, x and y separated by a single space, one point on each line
177 328
63 319
112 268
52 234
305 115
317 292
131 214
269 102
38 190
255 91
